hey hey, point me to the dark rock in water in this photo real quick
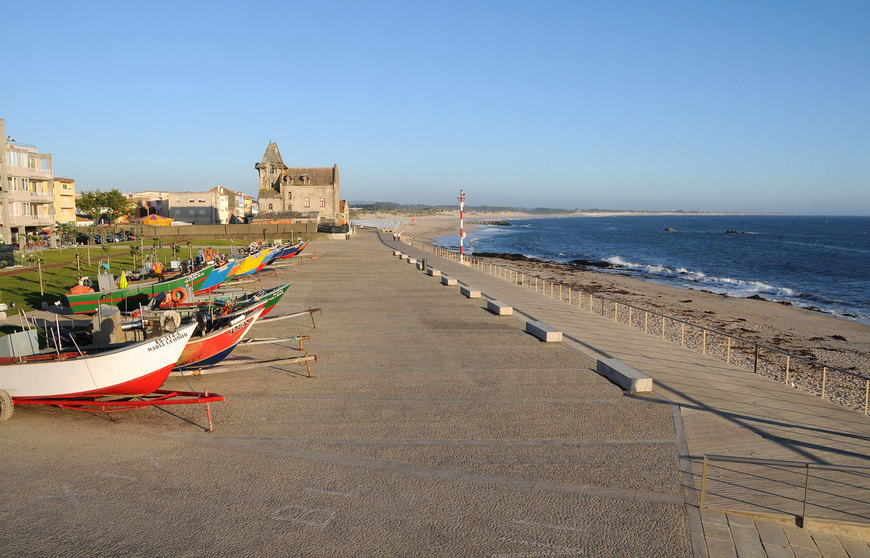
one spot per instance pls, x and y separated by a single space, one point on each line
756 297
494 223
669 229
732 231
592 263
506 256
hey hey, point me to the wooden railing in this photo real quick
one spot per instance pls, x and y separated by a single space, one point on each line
852 389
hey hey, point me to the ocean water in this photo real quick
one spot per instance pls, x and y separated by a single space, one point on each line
811 262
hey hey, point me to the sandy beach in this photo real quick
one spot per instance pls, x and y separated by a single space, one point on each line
821 337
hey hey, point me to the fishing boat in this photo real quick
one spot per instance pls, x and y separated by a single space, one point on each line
127 369
216 278
132 297
273 253
288 252
214 345
269 297
250 264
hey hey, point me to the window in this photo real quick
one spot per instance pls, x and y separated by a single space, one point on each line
322 203
270 207
307 202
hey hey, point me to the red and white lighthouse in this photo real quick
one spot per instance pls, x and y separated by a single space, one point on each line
461 199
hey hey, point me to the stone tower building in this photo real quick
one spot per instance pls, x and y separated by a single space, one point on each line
298 193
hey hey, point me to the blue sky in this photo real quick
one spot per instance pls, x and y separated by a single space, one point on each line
739 106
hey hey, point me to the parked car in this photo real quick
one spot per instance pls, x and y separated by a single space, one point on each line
118 237
98 239
82 238
129 235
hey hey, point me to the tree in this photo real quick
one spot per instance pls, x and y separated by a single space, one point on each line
135 251
67 233
37 258
111 204
107 250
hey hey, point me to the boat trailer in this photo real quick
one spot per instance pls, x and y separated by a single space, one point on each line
107 405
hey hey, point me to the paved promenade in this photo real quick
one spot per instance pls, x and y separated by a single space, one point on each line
431 428
727 411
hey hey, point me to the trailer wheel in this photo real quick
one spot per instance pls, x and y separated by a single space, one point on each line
5 406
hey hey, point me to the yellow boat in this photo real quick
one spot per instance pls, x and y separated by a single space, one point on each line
250 264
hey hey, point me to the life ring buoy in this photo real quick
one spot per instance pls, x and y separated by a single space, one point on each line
179 295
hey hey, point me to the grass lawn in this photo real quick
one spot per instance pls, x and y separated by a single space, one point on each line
59 270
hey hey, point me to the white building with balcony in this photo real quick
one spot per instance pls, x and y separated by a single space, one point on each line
26 189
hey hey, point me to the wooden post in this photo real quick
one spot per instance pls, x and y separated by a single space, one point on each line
704 346
645 321
866 397
728 358
787 362
663 327
615 311
683 335
824 379
629 316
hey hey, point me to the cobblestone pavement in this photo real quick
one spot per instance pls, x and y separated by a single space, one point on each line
430 428
720 409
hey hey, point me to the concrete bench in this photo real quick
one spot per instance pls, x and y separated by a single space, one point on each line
402 256
396 252
499 308
433 272
412 261
469 292
420 265
544 332
445 280
624 375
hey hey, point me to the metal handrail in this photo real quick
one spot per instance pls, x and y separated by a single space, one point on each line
781 462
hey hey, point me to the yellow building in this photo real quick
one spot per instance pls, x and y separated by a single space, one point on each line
65 200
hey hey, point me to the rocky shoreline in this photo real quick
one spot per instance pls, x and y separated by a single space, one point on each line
813 335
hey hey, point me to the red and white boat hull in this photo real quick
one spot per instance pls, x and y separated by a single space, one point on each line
133 369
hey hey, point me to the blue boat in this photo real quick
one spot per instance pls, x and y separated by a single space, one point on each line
216 278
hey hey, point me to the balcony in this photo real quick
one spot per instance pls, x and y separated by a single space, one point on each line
28 196
31 220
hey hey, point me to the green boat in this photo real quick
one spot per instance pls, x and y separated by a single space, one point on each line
132 297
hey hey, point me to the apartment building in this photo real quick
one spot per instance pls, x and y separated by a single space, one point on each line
233 207
64 200
198 208
150 203
26 189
